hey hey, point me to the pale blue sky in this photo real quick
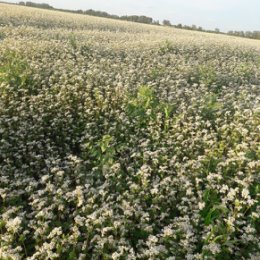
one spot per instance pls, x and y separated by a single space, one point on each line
210 14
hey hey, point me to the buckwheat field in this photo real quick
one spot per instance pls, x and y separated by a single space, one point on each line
126 141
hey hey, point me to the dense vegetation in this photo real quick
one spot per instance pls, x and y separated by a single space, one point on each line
126 142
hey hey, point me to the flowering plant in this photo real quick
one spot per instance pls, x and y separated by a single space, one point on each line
125 141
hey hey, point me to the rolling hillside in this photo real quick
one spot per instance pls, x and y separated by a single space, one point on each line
126 141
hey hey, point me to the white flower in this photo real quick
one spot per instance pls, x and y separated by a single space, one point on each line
231 194
115 256
14 224
45 178
57 231
167 231
214 248
152 239
201 205
245 193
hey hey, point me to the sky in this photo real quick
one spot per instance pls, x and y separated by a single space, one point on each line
210 14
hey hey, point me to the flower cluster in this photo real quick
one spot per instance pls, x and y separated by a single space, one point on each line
126 142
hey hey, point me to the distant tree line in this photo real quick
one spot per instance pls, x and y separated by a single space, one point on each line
197 28
247 34
31 4
132 18
146 20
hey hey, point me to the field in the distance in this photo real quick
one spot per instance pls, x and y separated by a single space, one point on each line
126 141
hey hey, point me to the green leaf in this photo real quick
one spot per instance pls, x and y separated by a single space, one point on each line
105 142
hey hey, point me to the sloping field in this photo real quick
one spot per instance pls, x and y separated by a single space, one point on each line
126 141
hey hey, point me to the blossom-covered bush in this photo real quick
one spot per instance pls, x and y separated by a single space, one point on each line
122 141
